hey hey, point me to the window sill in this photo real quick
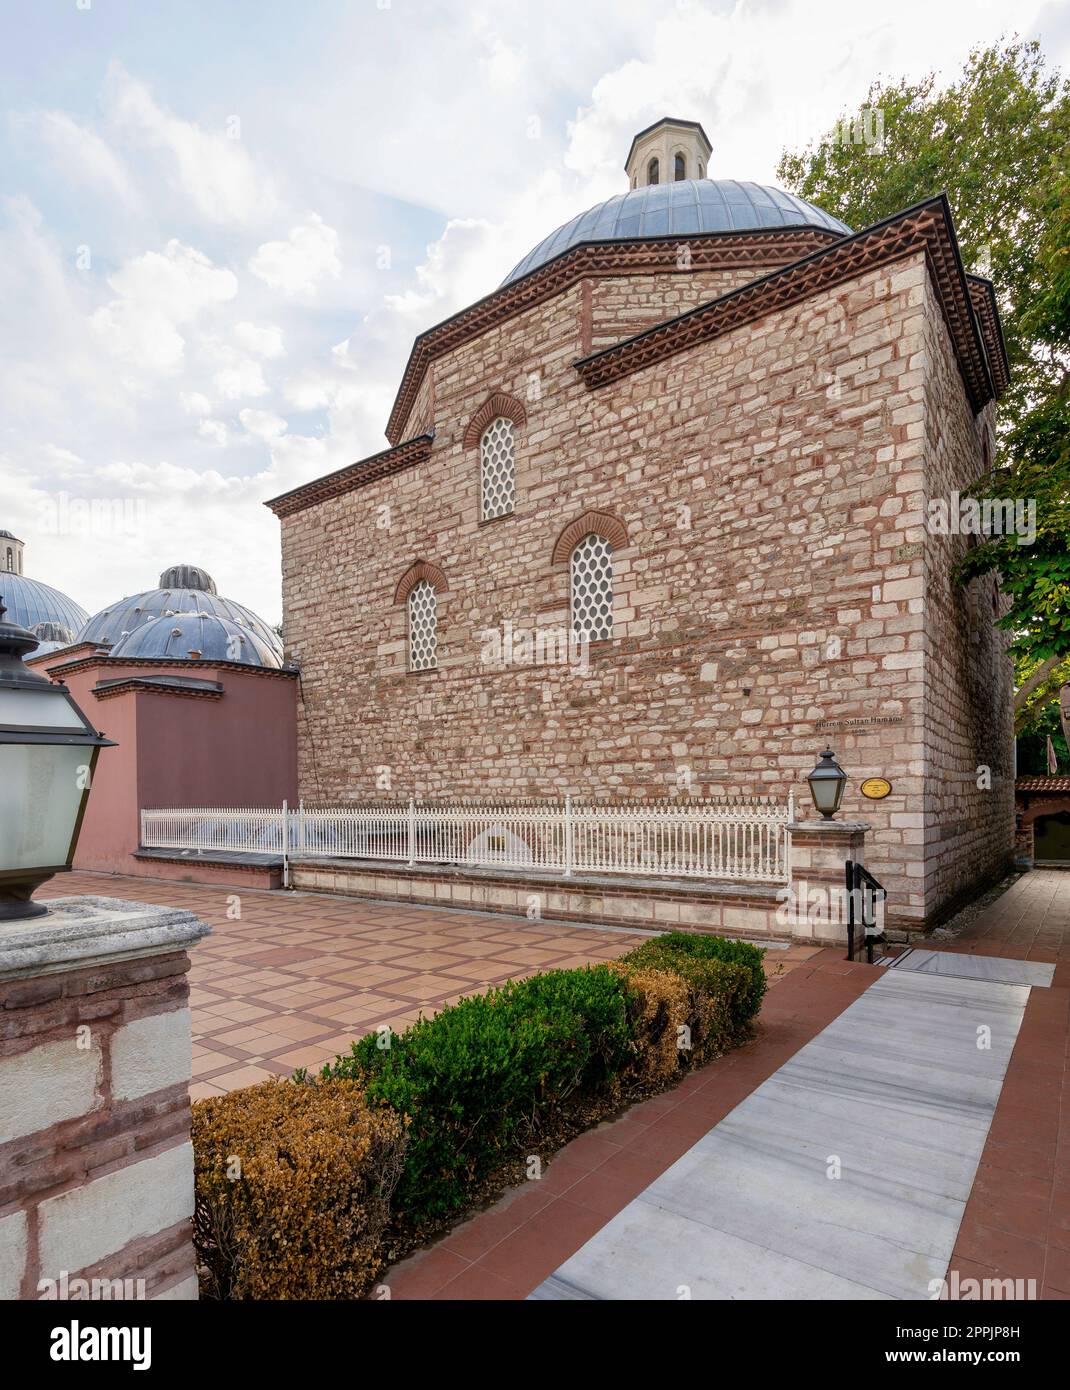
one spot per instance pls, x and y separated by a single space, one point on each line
490 520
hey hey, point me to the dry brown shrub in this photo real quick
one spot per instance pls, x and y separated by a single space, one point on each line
293 1190
659 1006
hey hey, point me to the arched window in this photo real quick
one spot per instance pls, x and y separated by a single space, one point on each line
10 559
680 167
652 171
423 627
497 453
592 588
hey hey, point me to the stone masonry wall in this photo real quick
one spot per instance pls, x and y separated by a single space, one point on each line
96 1167
969 719
621 307
769 599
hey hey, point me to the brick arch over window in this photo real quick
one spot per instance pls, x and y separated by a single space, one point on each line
496 404
596 523
422 569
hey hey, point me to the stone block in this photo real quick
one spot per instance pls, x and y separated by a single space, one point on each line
151 1053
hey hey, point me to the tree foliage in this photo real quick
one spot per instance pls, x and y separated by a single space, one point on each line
996 140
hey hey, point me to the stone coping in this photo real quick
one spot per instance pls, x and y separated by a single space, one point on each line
247 858
481 873
87 931
830 827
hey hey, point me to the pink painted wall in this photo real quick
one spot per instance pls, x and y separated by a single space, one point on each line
177 750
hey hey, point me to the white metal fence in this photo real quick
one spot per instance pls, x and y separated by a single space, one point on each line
742 839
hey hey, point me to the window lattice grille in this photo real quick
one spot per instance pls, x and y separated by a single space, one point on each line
592 588
423 628
498 453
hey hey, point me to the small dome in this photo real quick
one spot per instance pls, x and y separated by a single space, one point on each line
53 632
113 624
29 602
686 206
51 637
187 577
195 635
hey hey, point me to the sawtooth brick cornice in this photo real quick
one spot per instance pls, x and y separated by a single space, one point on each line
636 256
924 228
354 475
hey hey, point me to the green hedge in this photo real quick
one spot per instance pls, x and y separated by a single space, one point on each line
476 1077
481 1079
678 950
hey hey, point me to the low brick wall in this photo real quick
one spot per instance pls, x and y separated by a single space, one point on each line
221 869
663 904
96 1166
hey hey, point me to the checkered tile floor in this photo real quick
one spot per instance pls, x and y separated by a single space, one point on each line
298 976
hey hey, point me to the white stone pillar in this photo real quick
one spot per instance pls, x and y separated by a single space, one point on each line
819 851
96 1165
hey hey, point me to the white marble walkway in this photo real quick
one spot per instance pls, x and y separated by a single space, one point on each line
998 969
844 1175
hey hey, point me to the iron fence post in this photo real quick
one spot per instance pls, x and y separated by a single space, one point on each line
568 835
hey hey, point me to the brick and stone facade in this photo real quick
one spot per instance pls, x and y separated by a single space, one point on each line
762 456
96 1165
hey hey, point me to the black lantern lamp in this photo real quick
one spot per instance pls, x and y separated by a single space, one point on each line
48 752
827 782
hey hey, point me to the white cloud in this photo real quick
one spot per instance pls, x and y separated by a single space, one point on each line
195 402
215 431
83 156
242 379
263 339
262 424
297 264
156 293
212 168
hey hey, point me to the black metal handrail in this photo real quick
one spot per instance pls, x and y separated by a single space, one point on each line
862 899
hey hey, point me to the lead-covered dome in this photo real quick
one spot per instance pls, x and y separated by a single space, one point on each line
195 595
687 207
29 603
195 636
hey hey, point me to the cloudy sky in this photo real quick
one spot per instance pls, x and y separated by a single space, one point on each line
222 224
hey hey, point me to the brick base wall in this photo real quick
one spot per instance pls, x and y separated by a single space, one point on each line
96 1166
651 905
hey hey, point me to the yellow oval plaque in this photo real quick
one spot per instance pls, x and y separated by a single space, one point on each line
876 788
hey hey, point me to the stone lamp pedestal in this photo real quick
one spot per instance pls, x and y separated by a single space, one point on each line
96 1165
815 905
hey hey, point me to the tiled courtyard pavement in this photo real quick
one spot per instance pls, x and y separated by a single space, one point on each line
300 975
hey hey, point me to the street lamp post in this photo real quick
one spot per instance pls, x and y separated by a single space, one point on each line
48 752
827 782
